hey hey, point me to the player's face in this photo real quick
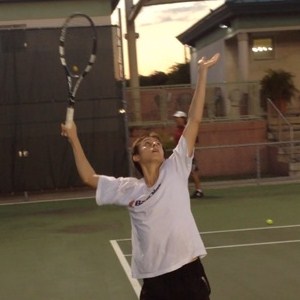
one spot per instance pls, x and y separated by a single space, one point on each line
179 121
151 144
151 147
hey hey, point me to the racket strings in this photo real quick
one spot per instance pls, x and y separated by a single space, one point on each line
78 45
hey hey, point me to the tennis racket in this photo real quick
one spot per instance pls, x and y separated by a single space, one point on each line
77 51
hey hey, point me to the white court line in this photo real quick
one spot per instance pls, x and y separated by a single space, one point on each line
242 245
252 244
134 282
44 201
234 230
250 229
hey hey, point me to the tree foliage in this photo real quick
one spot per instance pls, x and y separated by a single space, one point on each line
156 78
178 74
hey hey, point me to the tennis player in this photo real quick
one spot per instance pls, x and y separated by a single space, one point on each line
180 118
166 244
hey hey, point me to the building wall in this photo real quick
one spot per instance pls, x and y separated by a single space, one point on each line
216 74
286 47
231 55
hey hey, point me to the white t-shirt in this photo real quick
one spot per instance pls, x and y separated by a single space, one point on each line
164 233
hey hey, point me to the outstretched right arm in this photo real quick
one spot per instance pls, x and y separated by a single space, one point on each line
85 170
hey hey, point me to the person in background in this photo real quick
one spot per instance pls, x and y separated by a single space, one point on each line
181 120
167 248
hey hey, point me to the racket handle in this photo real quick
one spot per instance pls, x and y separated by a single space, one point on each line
69 117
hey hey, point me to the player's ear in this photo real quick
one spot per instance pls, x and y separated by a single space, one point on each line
135 157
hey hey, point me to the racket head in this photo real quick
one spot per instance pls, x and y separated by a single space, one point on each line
77 52
78 45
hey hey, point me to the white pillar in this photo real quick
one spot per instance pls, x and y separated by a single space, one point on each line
243 67
243 56
131 37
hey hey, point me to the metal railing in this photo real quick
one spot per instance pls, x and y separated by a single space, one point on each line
258 168
229 101
280 120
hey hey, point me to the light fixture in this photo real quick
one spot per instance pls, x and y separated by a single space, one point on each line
223 26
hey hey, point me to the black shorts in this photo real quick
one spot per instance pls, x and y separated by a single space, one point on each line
187 283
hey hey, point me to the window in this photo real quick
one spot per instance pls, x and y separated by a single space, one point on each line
263 48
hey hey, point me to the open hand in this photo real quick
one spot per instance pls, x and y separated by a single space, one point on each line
207 63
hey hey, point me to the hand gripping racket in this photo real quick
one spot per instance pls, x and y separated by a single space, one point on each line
77 51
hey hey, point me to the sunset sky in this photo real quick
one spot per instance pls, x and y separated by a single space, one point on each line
157 26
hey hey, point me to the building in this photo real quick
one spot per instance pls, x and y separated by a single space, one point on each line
237 137
252 37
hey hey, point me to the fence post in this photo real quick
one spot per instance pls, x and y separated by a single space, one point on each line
258 165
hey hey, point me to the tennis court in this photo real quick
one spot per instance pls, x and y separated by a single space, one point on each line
73 249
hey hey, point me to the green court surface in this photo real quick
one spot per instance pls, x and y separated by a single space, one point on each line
74 250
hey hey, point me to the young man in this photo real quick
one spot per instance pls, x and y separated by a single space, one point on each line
166 245
181 120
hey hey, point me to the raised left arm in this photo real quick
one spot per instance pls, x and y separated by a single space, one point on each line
197 105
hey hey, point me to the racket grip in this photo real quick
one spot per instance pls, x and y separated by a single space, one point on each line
69 117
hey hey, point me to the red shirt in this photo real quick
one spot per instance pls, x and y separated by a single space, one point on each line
178 133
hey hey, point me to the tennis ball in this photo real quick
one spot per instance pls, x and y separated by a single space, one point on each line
75 68
269 221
